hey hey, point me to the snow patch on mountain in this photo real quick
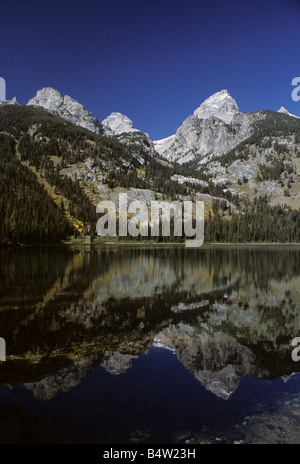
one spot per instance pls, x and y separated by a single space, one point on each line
164 144
190 180
285 111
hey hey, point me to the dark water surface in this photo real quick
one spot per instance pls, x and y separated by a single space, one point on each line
144 345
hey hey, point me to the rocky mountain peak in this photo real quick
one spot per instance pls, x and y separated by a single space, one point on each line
285 111
13 101
220 105
48 98
67 108
199 137
118 123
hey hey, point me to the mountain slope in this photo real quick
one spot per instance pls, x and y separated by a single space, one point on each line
282 109
116 124
214 128
67 108
250 175
28 214
220 105
266 163
75 167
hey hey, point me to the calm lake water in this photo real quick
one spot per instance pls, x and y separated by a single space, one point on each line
144 345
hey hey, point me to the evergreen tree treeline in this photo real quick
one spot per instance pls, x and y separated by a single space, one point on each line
29 215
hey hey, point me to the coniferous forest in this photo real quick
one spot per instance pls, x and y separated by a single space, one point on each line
28 215
35 149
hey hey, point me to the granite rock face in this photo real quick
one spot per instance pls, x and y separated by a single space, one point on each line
117 123
285 111
117 363
13 101
214 128
67 108
120 126
63 380
220 105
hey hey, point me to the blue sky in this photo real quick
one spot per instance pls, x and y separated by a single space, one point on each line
155 61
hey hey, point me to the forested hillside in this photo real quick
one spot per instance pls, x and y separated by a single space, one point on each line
53 174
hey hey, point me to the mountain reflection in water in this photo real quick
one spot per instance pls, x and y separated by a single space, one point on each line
227 313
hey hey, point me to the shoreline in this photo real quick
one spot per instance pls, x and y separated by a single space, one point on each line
129 243
216 245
